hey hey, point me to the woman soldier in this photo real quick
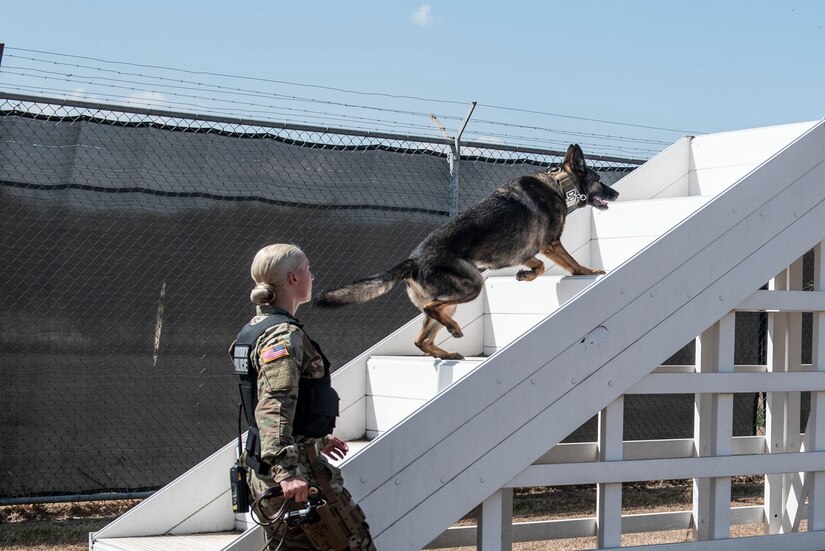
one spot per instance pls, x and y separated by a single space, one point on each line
299 496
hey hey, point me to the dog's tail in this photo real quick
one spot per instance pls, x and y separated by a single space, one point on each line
368 288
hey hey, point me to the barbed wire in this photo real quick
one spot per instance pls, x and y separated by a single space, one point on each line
310 114
222 89
242 77
57 73
256 107
482 137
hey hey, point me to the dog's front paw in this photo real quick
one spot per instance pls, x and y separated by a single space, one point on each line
526 275
456 332
588 271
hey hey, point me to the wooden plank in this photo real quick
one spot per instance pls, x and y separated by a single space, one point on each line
611 253
716 180
712 429
203 485
506 295
490 521
775 410
785 301
792 485
816 419
720 159
352 420
801 485
807 541
582 452
384 412
690 383
609 496
795 506
722 431
665 175
666 469
502 329
190 542
647 218
495 526
707 347
744 147
418 378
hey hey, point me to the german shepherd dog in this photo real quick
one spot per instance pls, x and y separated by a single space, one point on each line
510 227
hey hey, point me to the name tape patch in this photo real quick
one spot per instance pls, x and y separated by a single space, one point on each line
241 360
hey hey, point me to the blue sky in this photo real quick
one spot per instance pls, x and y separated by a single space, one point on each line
697 66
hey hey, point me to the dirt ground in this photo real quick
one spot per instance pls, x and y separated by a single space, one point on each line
65 527
655 497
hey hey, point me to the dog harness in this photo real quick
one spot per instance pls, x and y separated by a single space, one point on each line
568 187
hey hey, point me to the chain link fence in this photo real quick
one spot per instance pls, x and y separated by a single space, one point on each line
126 239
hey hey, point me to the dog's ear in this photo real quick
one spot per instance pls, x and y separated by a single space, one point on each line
575 158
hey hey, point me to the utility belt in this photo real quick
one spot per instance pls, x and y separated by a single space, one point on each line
330 519
340 519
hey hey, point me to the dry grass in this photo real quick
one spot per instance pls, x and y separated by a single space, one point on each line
53 527
66 526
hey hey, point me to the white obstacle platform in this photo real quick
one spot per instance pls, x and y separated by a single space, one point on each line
697 231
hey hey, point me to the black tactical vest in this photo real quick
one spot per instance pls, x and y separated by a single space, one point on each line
317 405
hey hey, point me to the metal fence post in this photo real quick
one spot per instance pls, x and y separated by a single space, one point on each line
455 157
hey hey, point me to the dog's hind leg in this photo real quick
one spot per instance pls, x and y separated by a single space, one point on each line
556 252
426 340
454 282
536 269
442 311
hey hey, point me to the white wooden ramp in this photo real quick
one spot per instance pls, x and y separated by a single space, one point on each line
696 232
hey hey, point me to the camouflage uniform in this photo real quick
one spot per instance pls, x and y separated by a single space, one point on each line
282 355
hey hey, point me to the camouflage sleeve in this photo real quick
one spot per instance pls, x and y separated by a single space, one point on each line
279 354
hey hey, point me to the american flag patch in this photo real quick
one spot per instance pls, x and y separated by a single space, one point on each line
273 353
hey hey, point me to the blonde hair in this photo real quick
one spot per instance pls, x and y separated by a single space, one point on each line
270 269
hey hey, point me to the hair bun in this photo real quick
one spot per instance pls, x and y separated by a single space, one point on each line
263 293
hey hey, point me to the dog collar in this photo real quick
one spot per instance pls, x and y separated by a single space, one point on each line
568 188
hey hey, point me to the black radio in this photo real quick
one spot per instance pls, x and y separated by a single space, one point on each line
240 490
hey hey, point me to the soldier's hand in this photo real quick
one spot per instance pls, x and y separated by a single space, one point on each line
335 448
296 488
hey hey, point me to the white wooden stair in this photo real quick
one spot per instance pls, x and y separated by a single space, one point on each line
695 232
